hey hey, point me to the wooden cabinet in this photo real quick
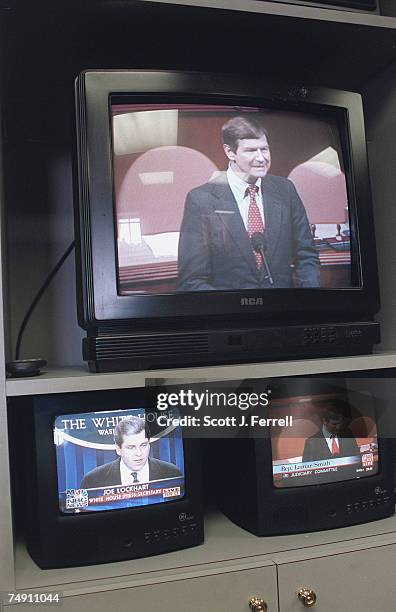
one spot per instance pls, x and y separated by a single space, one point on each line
229 591
361 581
355 575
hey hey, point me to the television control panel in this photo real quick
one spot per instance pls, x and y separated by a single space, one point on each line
176 533
369 504
142 350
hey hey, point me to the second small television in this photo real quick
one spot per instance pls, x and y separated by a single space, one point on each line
221 219
318 457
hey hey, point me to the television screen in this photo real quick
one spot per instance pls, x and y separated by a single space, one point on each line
331 440
216 198
108 460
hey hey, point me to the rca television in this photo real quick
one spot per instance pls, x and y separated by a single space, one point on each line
322 460
220 219
102 482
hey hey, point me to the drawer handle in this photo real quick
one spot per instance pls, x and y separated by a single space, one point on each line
256 604
307 597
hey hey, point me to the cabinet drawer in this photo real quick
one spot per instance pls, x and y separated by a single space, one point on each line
361 581
221 592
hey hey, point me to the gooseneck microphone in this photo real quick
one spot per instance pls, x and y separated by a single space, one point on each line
259 244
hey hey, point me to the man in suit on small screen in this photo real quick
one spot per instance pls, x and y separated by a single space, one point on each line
216 248
334 439
133 465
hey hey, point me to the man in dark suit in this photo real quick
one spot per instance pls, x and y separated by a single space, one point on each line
133 465
334 439
220 217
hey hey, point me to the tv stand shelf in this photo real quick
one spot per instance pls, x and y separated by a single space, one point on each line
226 547
66 380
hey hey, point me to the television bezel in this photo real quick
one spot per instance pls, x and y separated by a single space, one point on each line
315 505
54 538
312 500
96 229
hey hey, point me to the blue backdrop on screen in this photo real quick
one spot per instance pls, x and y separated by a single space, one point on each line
85 441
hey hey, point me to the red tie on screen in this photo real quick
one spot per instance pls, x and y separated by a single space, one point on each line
334 446
255 222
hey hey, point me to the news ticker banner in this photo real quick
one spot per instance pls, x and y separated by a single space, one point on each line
294 407
121 496
304 466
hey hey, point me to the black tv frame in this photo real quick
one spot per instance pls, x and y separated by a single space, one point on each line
64 540
104 312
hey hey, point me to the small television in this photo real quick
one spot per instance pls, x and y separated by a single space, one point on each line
321 461
101 482
221 219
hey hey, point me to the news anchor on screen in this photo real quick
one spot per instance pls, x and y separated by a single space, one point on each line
246 229
132 440
334 439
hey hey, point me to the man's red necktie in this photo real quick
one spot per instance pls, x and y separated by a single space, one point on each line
255 222
334 447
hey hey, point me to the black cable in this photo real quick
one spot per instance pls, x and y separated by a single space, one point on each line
38 296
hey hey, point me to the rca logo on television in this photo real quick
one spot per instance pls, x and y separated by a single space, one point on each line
252 301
